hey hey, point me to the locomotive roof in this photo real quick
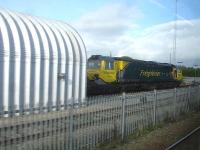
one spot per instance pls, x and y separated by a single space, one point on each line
99 57
126 58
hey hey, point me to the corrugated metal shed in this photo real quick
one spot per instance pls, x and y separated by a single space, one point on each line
42 63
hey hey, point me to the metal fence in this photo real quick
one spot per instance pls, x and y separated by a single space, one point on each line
98 120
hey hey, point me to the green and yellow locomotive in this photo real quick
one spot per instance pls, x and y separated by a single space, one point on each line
108 75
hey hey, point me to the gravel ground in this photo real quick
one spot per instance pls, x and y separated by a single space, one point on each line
160 138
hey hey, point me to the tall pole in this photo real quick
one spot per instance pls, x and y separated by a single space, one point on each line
175 34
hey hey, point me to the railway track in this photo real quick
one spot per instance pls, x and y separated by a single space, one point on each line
183 143
138 90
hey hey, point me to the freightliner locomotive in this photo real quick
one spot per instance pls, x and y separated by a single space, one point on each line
108 75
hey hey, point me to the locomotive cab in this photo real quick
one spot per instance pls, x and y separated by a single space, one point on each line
93 69
177 74
101 68
106 69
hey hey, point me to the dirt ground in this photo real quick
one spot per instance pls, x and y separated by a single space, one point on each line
161 138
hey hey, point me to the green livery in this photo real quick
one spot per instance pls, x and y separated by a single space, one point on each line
108 74
141 71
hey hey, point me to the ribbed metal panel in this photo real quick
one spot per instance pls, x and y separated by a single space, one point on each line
42 63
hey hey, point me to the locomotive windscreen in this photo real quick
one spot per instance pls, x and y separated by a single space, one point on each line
93 64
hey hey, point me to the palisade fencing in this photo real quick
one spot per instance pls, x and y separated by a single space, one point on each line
100 119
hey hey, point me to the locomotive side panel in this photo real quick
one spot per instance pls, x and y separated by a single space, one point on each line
144 72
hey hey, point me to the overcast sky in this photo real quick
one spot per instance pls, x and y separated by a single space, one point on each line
141 29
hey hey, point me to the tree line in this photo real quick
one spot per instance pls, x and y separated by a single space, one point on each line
190 71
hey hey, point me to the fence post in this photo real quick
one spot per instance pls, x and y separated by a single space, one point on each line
198 108
71 109
175 99
189 97
123 115
154 107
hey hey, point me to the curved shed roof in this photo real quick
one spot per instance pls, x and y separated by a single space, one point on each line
41 61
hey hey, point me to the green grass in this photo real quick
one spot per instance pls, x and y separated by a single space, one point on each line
117 144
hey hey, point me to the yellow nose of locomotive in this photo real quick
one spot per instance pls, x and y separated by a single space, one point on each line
179 75
92 74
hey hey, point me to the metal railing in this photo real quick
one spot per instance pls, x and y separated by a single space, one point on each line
100 119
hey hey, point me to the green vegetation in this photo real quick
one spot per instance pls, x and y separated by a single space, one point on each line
117 144
190 71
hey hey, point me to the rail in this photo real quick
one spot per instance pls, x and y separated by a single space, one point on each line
184 139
